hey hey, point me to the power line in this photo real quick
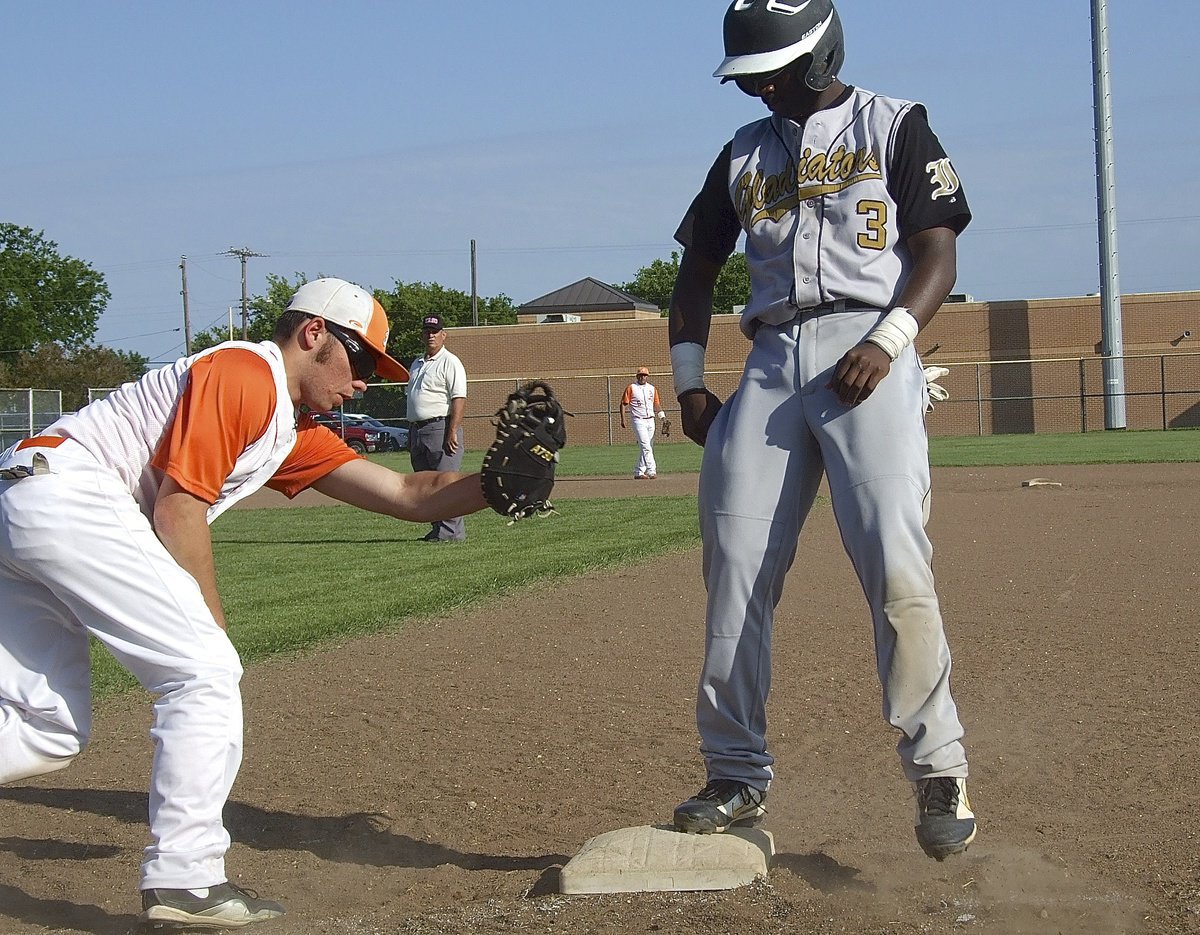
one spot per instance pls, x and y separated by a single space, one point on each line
567 248
1077 225
148 334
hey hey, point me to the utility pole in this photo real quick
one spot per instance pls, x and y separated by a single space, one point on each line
1112 342
187 321
474 294
244 252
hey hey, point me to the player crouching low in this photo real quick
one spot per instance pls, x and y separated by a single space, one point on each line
104 531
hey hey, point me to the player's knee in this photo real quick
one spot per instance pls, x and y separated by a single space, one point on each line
35 752
915 616
220 671
40 767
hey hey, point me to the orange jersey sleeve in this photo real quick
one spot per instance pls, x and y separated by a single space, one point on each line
226 406
318 451
657 401
628 397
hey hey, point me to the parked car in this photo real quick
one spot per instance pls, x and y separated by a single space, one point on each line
358 437
391 437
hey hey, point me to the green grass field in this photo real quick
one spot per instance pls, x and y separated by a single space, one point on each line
966 451
292 579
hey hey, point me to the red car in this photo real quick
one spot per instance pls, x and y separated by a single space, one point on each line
358 438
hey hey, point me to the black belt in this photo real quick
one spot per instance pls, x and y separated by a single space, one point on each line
420 424
839 305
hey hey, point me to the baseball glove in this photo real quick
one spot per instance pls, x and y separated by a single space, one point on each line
666 428
518 469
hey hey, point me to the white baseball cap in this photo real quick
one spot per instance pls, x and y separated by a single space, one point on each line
345 304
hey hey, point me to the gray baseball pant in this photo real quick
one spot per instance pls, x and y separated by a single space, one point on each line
426 454
763 461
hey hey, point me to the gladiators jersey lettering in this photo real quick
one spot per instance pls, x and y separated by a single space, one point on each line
756 197
813 199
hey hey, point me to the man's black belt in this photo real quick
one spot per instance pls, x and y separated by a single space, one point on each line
421 423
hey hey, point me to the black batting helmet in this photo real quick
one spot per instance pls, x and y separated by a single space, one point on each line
764 36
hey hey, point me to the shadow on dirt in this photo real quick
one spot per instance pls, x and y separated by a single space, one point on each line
359 838
822 872
59 914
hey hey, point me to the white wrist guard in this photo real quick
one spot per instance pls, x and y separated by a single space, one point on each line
687 365
895 332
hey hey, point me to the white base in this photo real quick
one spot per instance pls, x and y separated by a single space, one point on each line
657 858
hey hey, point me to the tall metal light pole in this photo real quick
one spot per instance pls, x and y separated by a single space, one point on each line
474 292
1112 342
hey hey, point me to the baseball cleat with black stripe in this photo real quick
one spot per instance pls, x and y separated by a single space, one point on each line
721 804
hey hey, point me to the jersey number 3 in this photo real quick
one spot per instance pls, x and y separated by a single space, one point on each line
876 213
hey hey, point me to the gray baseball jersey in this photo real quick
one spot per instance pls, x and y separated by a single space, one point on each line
826 205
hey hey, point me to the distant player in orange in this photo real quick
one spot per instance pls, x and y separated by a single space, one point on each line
104 531
641 398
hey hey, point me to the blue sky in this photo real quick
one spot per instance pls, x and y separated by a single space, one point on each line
374 140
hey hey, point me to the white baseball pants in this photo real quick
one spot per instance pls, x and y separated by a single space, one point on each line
643 431
77 556
762 465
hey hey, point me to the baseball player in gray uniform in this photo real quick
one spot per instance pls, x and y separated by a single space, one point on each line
850 209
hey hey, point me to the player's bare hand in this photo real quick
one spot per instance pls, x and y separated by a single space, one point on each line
859 372
450 445
697 409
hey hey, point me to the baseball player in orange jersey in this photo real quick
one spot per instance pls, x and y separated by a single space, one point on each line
104 531
641 399
850 209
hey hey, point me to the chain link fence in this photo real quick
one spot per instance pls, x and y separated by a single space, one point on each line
1066 394
995 397
1049 395
24 412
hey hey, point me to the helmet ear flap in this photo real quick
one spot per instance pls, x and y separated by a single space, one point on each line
827 57
820 76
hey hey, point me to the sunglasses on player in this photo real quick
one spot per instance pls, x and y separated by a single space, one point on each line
753 84
362 359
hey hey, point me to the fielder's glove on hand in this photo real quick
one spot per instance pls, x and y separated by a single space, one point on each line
518 469
666 428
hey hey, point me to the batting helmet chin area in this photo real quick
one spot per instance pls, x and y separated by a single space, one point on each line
764 36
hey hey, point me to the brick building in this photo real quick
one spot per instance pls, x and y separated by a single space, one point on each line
1018 366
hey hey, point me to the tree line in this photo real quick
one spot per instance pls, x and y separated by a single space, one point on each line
50 307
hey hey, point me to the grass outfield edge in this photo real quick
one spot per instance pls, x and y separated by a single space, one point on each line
283 594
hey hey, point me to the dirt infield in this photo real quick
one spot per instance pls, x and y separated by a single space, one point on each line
435 780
